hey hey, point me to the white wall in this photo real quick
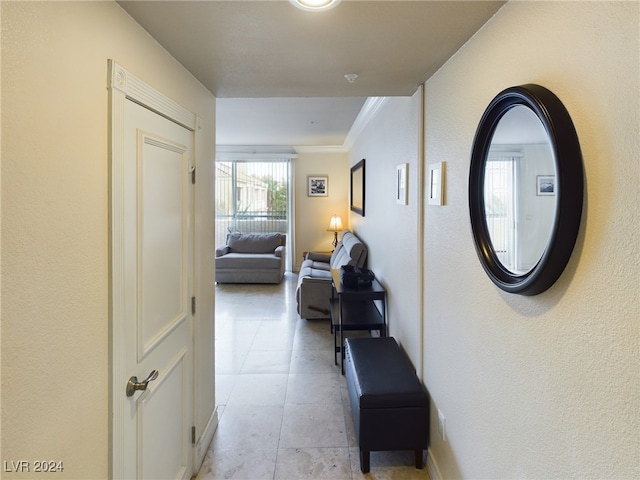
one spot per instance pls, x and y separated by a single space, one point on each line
313 213
544 386
55 227
390 231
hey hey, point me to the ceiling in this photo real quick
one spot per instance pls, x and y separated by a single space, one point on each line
278 72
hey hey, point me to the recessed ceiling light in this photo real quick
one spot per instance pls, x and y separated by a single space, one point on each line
315 5
351 77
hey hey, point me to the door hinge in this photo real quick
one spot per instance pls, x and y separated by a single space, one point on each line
193 305
193 435
193 175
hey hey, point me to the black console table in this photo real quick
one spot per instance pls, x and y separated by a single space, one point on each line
355 309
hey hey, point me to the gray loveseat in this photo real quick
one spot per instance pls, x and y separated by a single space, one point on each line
314 281
251 258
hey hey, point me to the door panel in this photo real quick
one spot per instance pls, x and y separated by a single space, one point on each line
162 243
156 326
163 438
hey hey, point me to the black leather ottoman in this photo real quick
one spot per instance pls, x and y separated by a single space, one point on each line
389 404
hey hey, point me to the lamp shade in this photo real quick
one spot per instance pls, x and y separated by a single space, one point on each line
335 224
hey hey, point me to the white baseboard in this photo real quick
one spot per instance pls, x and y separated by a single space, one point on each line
200 448
432 467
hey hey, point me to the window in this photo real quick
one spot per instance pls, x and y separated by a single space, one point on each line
253 197
499 197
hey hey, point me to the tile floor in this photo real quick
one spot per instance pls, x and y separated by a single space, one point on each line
282 403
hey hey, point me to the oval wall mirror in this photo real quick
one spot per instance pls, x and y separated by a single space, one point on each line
525 189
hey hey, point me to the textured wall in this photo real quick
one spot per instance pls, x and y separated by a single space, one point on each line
55 226
392 137
544 386
312 214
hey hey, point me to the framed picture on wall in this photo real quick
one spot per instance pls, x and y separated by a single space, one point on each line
318 186
546 185
401 184
435 183
357 188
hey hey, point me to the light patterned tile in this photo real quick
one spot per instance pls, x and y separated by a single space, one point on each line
259 389
267 362
230 363
238 464
224 387
313 335
313 463
273 340
248 427
305 388
313 361
313 425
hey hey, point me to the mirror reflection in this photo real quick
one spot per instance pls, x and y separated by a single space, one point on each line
520 191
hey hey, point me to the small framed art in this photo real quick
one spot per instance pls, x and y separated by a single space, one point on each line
401 184
318 186
545 185
436 184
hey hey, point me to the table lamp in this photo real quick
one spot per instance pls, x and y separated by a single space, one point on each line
335 225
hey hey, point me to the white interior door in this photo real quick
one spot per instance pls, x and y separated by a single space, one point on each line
152 238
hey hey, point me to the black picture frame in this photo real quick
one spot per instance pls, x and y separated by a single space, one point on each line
357 187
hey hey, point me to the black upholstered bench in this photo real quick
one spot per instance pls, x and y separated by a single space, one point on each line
389 404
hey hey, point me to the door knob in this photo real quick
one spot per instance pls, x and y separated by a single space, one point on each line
133 384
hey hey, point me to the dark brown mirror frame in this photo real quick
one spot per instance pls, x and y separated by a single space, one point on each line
358 181
569 179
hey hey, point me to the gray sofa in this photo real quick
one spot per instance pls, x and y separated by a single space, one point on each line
314 280
251 258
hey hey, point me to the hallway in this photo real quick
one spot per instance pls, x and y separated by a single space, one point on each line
283 405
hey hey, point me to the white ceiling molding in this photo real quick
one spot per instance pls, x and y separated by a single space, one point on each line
322 149
369 110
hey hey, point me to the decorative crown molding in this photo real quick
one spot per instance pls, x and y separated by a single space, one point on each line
369 110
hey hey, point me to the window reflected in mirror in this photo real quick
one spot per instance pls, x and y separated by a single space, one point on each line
519 219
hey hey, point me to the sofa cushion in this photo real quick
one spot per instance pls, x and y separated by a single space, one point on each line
315 265
336 253
356 249
254 242
248 261
310 270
